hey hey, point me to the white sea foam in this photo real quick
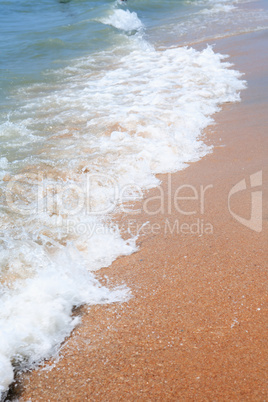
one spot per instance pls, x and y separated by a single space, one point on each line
36 308
3 163
115 120
123 19
218 8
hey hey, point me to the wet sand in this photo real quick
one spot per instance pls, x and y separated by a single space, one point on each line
196 326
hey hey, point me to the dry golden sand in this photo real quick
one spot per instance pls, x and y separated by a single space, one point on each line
196 327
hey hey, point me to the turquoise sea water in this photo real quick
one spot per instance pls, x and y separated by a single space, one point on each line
36 36
96 98
43 35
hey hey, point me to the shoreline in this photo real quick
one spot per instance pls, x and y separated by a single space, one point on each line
195 328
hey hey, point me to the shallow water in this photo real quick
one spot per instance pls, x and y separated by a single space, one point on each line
95 101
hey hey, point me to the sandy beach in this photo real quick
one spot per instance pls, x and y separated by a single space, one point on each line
196 326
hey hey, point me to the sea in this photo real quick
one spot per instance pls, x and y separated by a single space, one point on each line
96 99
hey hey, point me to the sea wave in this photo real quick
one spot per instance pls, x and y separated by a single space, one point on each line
123 19
109 124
